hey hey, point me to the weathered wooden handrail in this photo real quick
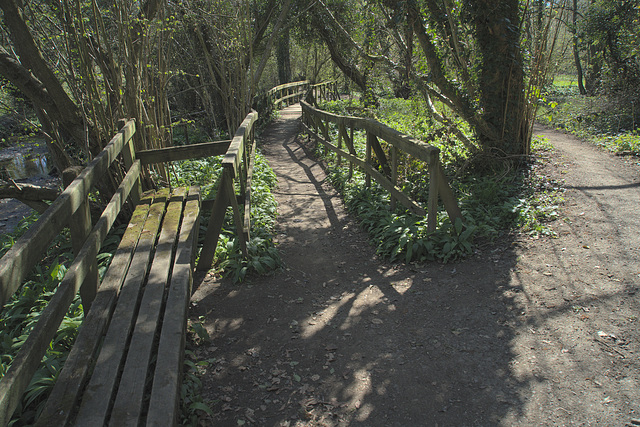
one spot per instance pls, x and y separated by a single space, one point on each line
184 152
29 250
237 164
317 124
16 264
288 93
326 91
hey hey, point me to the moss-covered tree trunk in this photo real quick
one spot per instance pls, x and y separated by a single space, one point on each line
500 78
283 57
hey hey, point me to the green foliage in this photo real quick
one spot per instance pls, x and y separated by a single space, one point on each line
610 29
610 122
203 172
192 404
188 129
400 235
20 315
263 257
491 204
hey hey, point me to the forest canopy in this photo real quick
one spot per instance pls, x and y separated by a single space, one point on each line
481 67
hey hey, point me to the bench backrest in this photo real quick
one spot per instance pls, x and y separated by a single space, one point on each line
29 250
71 209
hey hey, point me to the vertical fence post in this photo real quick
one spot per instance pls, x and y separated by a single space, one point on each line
351 143
80 227
394 174
129 156
367 179
341 131
432 204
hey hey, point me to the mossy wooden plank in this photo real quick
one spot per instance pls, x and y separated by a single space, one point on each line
165 392
247 199
28 358
129 157
380 154
128 405
193 151
68 387
237 216
79 228
233 157
448 197
214 225
28 250
96 399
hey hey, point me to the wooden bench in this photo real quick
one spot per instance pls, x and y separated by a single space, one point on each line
125 366
138 346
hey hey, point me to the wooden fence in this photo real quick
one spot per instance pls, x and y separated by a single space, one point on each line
280 96
71 209
384 170
327 91
290 93
237 166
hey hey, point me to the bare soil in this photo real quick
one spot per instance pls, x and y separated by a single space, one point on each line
525 332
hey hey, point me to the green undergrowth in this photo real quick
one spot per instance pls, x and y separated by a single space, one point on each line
263 256
20 315
193 406
507 201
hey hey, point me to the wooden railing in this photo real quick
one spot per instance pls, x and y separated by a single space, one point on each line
237 165
326 91
385 170
280 96
70 209
287 94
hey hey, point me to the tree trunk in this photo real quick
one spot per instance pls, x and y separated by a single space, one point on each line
501 79
284 58
576 51
33 76
30 195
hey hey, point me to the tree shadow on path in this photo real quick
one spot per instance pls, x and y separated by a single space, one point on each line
340 337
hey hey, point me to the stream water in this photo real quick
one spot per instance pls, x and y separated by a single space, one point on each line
26 159
23 161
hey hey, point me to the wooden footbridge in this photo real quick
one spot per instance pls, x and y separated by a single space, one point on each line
125 366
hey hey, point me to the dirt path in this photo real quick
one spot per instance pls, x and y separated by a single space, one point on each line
527 332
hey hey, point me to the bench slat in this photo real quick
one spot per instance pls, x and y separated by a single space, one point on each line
167 376
129 400
69 384
97 397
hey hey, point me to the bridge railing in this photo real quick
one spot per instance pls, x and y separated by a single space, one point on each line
326 91
284 95
71 209
237 166
280 96
383 170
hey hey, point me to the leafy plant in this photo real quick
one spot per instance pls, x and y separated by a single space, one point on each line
191 402
263 257
515 199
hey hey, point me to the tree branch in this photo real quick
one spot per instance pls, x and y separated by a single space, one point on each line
30 195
